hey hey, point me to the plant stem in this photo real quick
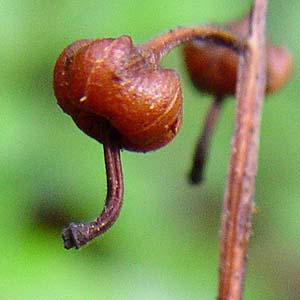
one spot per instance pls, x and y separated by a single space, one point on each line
77 235
200 154
161 45
238 201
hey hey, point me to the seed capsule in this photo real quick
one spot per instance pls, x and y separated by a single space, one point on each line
102 80
213 68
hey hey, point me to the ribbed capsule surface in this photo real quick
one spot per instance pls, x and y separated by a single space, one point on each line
111 80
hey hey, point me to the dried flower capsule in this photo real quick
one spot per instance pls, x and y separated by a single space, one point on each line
110 79
213 68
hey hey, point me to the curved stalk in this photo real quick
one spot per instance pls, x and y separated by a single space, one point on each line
164 43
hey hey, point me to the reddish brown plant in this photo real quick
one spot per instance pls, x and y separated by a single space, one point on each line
119 94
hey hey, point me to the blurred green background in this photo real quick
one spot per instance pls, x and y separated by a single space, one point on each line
165 243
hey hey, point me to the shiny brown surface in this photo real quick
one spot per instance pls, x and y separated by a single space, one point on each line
110 79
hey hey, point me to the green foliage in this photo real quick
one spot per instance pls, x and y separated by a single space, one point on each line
165 244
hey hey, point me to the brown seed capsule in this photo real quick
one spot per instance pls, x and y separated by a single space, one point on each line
213 68
120 95
111 79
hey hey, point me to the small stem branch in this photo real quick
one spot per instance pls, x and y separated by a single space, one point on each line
161 45
77 235
238 201
202 146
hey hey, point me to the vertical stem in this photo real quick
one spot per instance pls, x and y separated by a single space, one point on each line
238 201
202 147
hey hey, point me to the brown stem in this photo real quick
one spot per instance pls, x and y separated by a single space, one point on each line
161 45
77 235
238 201
200 154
